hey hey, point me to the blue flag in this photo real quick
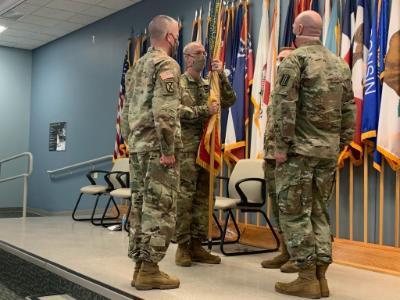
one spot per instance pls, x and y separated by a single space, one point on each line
288 31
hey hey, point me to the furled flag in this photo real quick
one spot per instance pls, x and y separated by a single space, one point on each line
197 24
326 20
315 5
372 92
258 91
144 43
359 56
331 38
389 119
235 138
272 53
179 52
348 23
205 153
120 148
288 36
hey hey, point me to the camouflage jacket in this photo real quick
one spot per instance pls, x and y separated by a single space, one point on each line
312 103
150 119
194 108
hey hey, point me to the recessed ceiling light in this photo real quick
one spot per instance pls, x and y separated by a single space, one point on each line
2 28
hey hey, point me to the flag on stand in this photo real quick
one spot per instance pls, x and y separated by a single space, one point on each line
288 36
372 92
331 37
362 33
179 53
326 20
236 131
348 22
259 120
389 119
120 148
205 155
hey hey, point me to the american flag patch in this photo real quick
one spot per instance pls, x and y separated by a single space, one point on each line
166 75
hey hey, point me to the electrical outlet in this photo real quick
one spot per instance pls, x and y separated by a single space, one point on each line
95 175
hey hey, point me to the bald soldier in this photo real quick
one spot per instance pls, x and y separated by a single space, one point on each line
282 260
192 219
313 112
150 123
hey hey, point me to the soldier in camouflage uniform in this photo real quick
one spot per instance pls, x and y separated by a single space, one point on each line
192 215
282 260
313 112
150 123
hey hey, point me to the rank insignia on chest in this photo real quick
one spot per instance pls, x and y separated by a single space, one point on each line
284 80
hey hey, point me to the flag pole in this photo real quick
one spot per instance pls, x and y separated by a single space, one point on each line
214 96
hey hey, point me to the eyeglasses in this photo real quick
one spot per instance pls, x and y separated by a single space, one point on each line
197 53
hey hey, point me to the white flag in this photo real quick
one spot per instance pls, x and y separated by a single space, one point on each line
259 119
389 118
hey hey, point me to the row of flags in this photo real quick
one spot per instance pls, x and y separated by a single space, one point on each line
349 30
136 48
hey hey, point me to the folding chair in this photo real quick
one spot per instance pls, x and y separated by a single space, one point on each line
98 190
125 193
247 193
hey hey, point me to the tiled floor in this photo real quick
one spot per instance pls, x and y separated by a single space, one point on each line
101 254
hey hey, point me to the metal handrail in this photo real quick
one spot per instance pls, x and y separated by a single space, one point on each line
24 175
81 164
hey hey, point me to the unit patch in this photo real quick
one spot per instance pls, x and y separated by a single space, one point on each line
284 80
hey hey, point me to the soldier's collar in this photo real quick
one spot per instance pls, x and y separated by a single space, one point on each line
156 49
308 43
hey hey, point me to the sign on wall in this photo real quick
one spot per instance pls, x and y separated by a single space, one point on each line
57 136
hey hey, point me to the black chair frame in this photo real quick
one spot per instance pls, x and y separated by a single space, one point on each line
92 219
246 206
124 184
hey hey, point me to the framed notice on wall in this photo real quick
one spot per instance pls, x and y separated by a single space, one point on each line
57 136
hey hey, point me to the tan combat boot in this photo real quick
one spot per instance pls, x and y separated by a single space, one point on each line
202 256
182 256
323 283
289 267
135 274
150 277
278 260
306 285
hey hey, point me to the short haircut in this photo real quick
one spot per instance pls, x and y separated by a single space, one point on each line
160 26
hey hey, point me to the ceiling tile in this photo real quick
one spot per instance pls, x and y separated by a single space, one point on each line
54 13
115 4
68 25
39 20
28 34
82 19
25 8
38 2
89 1
68 5
98 11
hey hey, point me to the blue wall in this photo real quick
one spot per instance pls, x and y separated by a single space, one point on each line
76 81
15 96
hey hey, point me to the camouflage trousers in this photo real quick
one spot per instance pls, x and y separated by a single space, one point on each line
192 207
153 216
305 186
269 171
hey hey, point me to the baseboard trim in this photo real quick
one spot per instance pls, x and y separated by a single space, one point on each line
372 257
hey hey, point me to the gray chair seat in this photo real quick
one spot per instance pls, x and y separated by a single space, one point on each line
225 203
93 189
123 193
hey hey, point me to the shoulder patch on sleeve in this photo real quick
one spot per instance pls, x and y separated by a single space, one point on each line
166 75
284 80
